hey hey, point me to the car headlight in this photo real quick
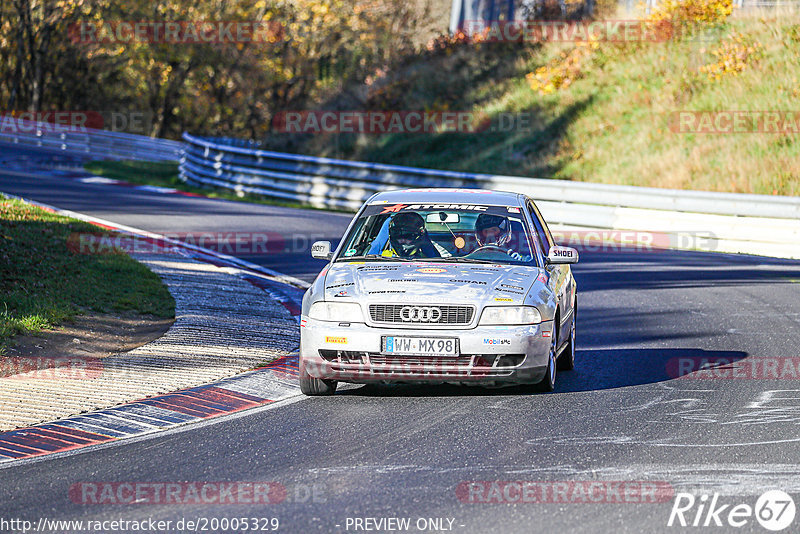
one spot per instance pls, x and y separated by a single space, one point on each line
497 315
345 312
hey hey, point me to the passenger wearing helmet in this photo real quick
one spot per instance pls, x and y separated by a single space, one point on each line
495 231
408 237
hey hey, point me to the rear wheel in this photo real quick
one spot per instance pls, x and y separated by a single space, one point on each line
548 383
315 386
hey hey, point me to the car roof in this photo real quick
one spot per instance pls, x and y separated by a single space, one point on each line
449 196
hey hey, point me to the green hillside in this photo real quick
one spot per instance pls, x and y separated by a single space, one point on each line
603 112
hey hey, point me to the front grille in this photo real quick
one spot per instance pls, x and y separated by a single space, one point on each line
384 367
381 360
391 314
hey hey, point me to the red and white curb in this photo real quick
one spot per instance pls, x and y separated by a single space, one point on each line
102 180
271 383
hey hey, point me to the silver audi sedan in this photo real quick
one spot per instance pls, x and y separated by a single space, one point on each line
440 285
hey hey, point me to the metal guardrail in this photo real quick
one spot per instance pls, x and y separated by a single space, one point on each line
90 142
759 224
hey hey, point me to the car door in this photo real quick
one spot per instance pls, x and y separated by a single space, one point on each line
560 275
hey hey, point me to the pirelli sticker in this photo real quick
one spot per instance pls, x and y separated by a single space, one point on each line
336 340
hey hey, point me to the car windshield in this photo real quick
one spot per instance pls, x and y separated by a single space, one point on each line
440 232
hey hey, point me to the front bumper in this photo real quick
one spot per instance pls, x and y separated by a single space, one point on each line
490 355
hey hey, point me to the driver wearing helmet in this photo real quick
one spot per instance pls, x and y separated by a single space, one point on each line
495 231
408 237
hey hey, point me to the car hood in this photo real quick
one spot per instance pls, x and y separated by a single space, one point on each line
424 282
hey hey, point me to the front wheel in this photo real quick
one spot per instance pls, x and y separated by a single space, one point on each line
548 383
566 361
315 386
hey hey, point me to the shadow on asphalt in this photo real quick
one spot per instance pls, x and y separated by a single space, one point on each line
594 370
675 269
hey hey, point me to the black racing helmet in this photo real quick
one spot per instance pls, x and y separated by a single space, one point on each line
486 221
406 232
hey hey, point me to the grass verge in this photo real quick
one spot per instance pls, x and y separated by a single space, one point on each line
44 281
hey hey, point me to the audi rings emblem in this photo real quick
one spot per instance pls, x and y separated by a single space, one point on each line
420 314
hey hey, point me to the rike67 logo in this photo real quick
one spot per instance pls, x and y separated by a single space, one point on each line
774 510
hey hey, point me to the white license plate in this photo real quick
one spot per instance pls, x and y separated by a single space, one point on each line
421 346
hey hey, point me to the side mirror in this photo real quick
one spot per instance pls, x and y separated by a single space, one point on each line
560 255
321 250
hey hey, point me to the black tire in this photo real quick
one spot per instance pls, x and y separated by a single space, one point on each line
315 386
566 360
548 382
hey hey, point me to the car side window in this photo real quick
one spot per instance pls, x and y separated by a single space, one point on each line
547 233
542 232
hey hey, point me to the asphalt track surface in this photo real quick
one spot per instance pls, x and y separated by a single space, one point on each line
404 451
